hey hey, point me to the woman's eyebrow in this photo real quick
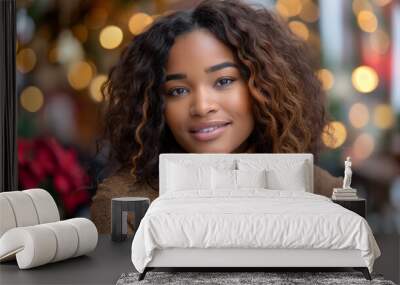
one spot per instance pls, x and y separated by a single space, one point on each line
220 66
178 76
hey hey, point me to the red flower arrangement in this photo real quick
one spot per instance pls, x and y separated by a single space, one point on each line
44 163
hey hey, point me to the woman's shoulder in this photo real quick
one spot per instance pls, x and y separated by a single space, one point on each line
324 182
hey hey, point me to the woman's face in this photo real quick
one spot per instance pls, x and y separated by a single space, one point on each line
208 104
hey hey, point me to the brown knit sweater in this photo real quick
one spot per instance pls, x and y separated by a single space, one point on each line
121 184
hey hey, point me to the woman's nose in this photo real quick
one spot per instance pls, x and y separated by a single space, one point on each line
202 103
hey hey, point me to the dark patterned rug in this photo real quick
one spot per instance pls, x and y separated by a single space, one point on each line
229 278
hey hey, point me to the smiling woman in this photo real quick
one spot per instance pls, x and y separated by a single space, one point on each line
208 103
223 77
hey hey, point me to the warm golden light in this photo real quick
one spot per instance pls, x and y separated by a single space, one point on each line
26 60
31 99
364 79
80 75
282 10
384 117
334 134
363 146
379 41
111 37
293 7
326 77
138 22
95 87
299 29
358 115
309 13
367 21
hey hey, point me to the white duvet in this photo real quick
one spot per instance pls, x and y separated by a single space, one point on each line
252 218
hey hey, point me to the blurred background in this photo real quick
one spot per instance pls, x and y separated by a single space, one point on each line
65 50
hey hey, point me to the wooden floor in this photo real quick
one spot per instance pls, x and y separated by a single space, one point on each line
388 263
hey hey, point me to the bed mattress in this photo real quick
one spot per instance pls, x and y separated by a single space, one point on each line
250 219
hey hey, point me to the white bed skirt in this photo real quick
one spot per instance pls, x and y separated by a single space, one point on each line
235 257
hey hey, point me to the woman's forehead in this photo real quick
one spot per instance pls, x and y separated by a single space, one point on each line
199 48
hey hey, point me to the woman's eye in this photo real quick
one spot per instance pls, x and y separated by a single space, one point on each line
176 92
224 82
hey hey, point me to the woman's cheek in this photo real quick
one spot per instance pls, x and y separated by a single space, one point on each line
175 115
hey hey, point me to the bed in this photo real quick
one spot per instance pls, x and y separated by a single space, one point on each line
247 211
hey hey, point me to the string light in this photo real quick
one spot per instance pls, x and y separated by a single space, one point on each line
79 75
334 134
138 22
364 79
26 60
309 13
300 29
383 116
95 87
379 41
111 37
358 115
327 79
367 21
31 99
363 146
292 7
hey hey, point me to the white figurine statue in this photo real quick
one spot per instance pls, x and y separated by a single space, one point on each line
347 173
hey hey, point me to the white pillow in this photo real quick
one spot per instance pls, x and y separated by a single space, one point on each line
282 174
293 180
251 178
223 179
181 178
236 179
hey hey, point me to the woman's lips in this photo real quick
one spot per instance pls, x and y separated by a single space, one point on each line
209 133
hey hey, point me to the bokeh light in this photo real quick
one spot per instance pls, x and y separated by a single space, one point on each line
383 116
282 10
358 115
364 79
31 99
300 29
327 78
363 146
334 134
379 41
26 60
111 37
367 21
292 7
309 12
80 75
138 22
95 87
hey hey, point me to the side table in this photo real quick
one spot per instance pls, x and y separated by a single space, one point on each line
358 205
119 214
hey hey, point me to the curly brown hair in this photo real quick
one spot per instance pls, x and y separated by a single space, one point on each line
288 102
